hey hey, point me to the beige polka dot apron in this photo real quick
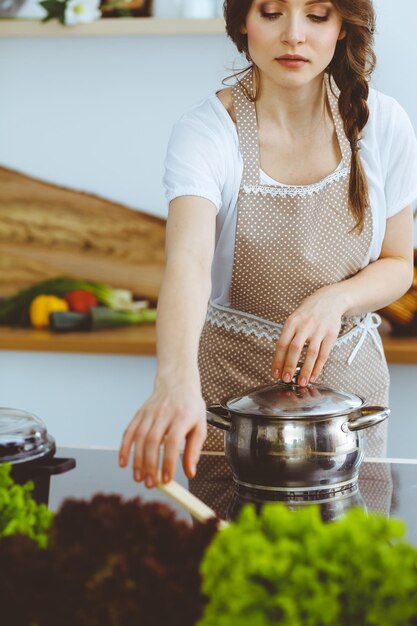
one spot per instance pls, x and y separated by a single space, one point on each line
290 241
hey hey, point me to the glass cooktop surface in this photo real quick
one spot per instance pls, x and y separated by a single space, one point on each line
388 486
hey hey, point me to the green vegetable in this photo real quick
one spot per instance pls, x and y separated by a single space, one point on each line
19 513
15 310
70 322
99 318
104 318
291 569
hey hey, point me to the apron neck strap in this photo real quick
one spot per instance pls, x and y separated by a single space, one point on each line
333 93
247 129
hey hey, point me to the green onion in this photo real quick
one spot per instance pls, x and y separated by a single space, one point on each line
104 318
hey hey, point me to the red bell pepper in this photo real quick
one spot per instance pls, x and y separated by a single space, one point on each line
80 301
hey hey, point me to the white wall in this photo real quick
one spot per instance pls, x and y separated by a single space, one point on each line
96 113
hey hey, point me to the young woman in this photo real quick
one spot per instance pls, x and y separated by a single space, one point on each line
290 210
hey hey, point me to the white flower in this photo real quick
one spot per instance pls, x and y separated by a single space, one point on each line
81 11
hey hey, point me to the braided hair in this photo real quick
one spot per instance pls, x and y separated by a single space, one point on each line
351 68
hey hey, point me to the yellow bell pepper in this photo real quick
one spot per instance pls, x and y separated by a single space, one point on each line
42 306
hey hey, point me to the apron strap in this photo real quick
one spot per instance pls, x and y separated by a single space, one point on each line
368 325
247 129
333 93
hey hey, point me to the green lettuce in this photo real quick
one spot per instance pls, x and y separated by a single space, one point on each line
19 512
291 569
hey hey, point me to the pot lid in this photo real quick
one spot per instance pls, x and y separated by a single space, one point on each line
290 400
23 437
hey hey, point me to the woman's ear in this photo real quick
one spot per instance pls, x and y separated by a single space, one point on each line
342 34
244 30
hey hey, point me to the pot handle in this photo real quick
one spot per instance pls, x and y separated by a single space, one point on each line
56 465
218 416
366 416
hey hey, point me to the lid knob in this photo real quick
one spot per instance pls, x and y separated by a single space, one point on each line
295 375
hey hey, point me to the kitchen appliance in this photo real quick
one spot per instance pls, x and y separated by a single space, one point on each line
285 437
26 444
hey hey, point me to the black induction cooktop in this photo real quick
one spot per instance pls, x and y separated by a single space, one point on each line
388 486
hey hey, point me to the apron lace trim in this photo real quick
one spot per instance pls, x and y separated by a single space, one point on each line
248 324
297 190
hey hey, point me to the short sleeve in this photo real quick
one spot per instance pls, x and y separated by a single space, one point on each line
194 163
401 163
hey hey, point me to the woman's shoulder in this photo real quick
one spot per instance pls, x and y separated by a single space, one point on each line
211 117
225 97
202 154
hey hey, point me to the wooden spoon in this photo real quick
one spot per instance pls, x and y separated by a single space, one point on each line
198 509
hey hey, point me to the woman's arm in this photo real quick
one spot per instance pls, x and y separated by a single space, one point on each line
317 320
176 410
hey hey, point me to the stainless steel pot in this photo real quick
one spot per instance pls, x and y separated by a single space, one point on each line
285 437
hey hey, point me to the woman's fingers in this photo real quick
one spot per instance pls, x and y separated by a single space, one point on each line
281 351
128 438
316 357
142 430
193 447
164 423
174 437
287 355
326 347
149 453
307 367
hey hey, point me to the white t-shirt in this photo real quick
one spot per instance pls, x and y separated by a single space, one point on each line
203 159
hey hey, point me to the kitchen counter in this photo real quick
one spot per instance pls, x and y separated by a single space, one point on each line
141 340
388 486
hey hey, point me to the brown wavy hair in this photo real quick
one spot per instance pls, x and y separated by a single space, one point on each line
351 68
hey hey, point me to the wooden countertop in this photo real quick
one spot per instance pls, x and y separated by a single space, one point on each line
140 340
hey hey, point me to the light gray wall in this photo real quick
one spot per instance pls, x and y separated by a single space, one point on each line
89 399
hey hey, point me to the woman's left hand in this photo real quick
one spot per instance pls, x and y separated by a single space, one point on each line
316 322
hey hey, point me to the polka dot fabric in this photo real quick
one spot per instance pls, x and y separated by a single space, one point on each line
290 242
288 246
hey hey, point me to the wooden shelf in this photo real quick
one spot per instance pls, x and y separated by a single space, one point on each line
134 340
400 350
141 340
112 27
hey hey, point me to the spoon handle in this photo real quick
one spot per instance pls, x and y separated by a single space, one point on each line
198 509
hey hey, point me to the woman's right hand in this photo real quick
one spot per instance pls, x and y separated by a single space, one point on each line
172 413
176 410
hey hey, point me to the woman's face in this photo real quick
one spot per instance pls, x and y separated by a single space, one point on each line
306 30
